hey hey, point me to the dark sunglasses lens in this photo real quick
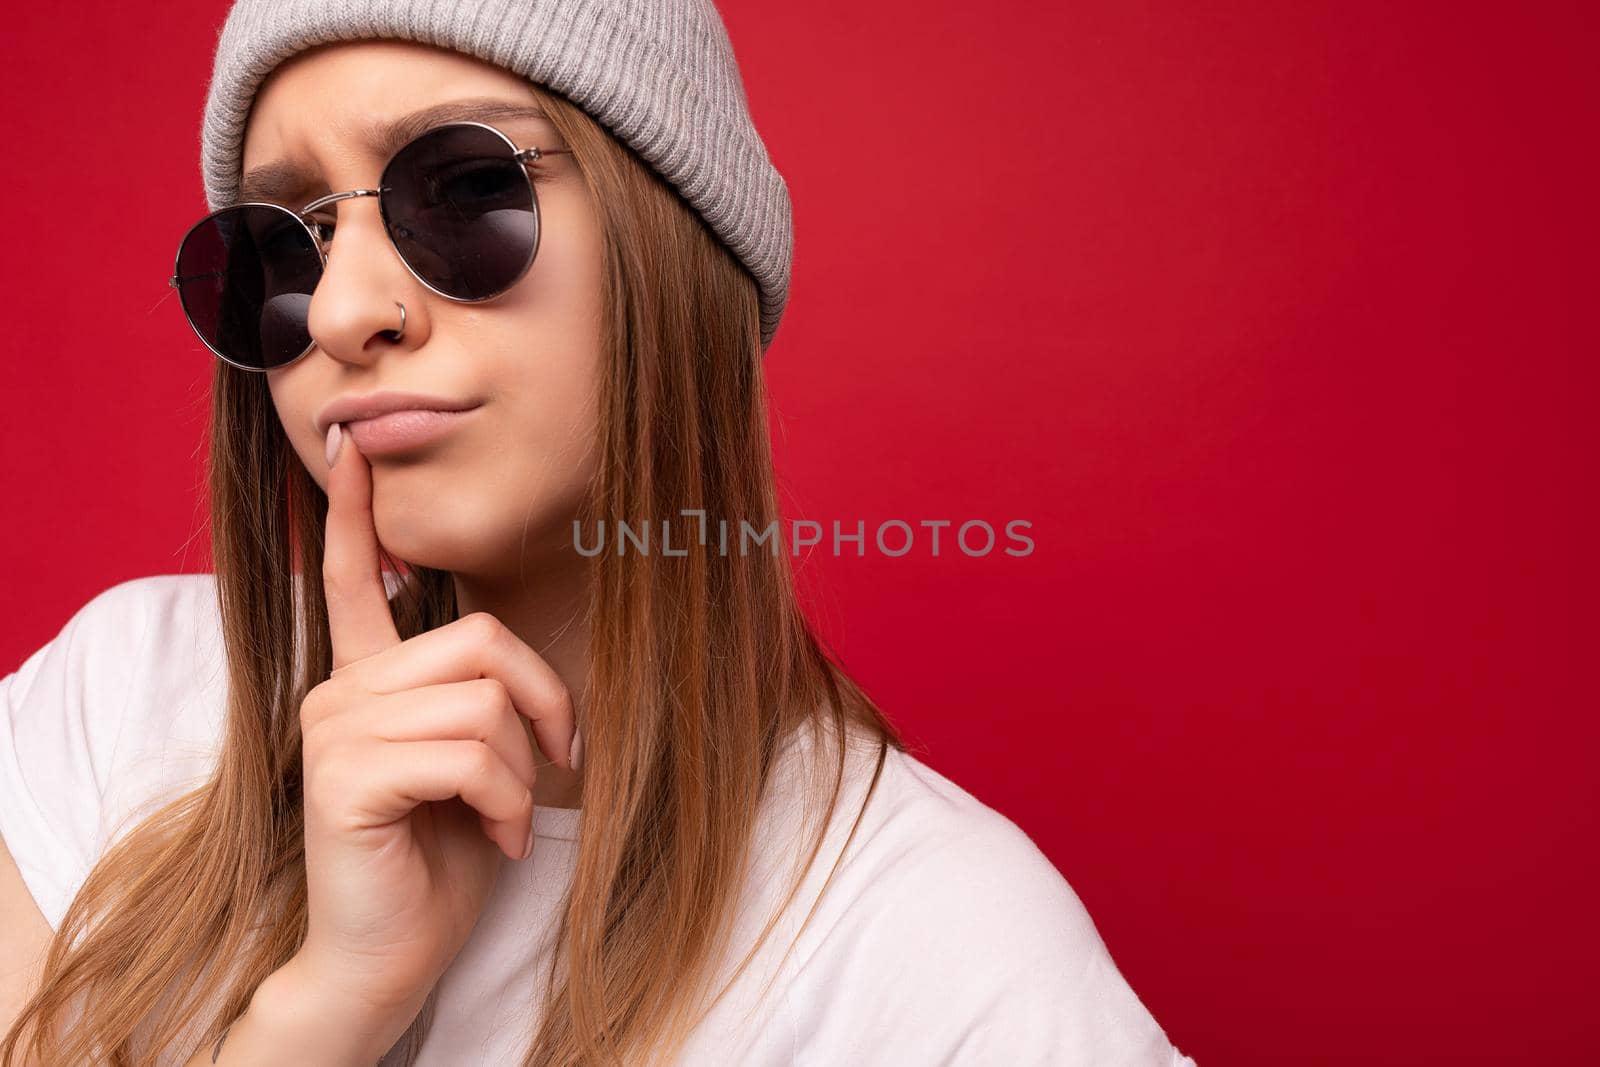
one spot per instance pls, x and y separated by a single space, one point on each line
245 279
461 210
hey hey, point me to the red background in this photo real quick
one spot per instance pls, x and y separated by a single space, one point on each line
1267 317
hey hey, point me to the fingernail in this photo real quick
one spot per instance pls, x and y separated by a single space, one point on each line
335 439
527 850
576 748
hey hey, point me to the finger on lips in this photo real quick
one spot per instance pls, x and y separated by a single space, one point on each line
360 622
363 634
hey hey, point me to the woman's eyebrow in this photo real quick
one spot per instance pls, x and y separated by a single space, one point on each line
284 181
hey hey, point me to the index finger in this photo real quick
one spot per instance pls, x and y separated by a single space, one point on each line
360 621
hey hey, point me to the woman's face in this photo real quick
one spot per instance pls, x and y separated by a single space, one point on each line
501 486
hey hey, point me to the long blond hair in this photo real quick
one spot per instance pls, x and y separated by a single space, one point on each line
699 668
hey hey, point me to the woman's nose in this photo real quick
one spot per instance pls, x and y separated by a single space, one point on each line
353 314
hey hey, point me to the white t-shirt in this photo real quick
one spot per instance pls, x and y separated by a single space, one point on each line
946 936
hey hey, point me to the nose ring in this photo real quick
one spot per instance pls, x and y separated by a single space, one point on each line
401 332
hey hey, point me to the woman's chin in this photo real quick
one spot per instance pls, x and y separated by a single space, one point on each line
463 527
457 545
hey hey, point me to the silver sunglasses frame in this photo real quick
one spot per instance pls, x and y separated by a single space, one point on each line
525 156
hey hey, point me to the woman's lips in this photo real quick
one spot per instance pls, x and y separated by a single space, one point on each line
401 431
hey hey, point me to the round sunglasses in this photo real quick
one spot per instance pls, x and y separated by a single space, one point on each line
458 205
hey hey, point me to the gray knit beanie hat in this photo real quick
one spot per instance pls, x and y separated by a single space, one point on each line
659 74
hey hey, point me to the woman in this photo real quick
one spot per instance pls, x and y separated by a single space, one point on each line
508 799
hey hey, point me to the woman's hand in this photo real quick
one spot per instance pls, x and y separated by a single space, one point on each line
418 769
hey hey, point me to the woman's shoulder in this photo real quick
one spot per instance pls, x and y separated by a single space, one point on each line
140 664
105 636
928 849
120 708
916 826
142 644
946 928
